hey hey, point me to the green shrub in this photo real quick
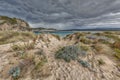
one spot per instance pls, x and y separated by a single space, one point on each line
84 63
84 48
85 40
40 63
68 53
101 62
15 72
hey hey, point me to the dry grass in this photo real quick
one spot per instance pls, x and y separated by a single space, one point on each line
101 62
23 47
117 54
116 45
97 47
85 40
15 36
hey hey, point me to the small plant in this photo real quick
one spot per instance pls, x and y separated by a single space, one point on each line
40 63
23 47
85 40
117 54
68 53
29 46
84 63
40 52
16 47
15 72
97 47
84 48
98 34
101 62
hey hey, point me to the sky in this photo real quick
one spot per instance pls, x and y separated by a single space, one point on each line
64 14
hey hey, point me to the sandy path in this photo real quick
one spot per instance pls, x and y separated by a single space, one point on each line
74 71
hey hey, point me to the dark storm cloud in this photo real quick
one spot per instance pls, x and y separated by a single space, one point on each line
64 14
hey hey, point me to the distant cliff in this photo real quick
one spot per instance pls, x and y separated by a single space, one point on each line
7 23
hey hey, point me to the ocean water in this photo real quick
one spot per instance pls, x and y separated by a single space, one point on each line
63 33
60 33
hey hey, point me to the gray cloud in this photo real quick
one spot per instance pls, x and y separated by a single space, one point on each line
64 14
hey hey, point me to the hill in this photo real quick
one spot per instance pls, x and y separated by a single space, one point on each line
7 23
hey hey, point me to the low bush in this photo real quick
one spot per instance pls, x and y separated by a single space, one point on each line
40 63
15 72
68 53
101 62
85 40
84 48
84 63
40 52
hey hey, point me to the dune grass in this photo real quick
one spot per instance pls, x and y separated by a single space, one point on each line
117 54
25 46
15 36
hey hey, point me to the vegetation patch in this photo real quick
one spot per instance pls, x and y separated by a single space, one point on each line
68 53
84 63
97 47
9 20
101 62
15 72
14 36
117 54
23 47
85 40
112 36
40 63
84 48
40 52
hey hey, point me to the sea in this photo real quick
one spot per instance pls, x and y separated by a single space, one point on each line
63 33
